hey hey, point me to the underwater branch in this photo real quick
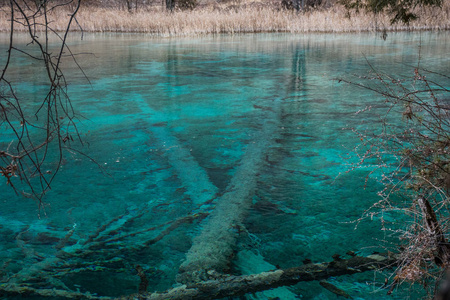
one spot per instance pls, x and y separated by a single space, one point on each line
232 286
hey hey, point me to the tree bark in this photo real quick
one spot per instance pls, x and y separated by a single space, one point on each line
129 5
234 286
443 251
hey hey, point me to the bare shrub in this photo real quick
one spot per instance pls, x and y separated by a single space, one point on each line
413 158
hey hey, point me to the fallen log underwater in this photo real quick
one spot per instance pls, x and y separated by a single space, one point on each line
233 286
194 178
247 262
213 249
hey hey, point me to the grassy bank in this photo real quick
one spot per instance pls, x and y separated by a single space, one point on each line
242 18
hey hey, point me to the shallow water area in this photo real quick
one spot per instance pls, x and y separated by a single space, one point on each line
170 122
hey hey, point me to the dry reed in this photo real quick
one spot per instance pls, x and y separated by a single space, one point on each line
252 17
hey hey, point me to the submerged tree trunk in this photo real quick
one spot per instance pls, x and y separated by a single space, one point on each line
231 286
213 249
234 286
194 178
248 263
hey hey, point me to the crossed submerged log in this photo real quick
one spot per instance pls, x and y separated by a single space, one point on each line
213 249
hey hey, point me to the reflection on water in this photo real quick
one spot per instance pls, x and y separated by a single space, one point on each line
170 121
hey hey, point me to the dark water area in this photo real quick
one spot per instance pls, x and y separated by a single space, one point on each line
170 122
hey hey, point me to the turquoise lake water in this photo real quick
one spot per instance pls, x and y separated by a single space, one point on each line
169 121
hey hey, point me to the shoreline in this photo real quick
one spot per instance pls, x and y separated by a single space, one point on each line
242 20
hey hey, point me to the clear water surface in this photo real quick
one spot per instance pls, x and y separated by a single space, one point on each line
169 121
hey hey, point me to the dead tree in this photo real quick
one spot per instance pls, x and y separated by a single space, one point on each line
170 5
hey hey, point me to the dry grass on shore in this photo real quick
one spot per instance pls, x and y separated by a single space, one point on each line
253 17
